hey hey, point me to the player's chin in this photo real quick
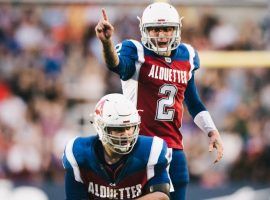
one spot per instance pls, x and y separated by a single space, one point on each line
162 46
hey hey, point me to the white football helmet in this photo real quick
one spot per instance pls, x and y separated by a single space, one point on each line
157 15
115 110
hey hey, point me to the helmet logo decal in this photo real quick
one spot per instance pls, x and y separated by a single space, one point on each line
99 108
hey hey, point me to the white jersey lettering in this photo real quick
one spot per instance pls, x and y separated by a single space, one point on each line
103 192
167 74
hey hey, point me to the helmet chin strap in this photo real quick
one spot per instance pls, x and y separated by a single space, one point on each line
161 53
112 150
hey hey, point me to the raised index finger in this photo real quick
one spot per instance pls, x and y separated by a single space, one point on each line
105 17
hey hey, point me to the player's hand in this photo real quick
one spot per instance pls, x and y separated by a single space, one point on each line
216 142
104 29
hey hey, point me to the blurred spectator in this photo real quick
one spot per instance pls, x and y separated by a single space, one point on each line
12 111
223 35
28 192
29 34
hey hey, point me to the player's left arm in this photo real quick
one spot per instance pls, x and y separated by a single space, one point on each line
158 187
201 116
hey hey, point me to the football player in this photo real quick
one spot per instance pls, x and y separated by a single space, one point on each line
158 74
116 163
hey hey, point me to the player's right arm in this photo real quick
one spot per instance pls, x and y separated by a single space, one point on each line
122 58
74 187
104 31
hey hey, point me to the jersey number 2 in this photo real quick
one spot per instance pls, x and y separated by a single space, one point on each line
162 113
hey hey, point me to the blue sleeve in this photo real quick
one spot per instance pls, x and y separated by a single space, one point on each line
74 190
196 61
161 173
192 99
128 55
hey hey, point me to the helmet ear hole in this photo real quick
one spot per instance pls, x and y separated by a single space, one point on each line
116 111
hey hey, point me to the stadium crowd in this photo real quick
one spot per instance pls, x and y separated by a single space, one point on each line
52 74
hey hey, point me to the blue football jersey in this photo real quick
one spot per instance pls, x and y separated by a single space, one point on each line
86 177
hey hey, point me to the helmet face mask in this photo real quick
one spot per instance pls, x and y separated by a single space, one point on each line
152 42
153 16
122 144
115 114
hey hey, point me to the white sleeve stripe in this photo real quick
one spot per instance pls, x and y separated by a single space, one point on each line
156 148
169 158
204 121
191 58
72 160
139 50
130 87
